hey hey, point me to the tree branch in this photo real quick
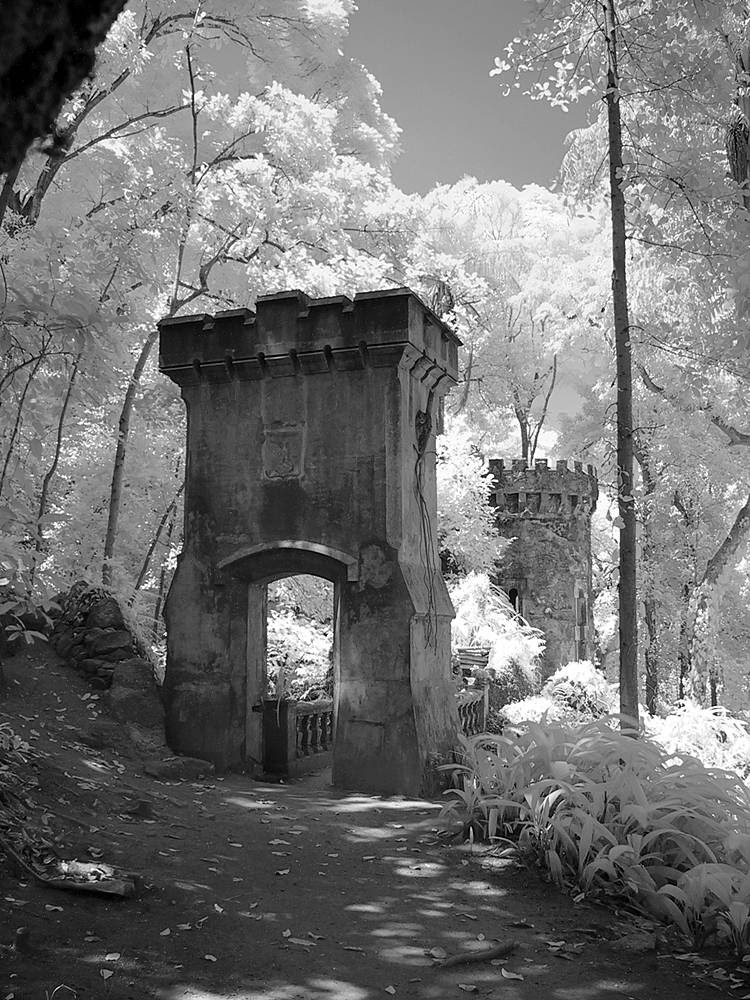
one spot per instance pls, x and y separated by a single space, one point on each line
735 437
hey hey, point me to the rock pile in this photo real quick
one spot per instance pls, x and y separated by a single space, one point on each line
91 634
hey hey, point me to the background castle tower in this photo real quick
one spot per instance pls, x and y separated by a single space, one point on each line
546 571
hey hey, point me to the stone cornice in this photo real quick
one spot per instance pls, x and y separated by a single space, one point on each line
291 335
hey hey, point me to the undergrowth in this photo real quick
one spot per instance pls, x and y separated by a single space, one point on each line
616 816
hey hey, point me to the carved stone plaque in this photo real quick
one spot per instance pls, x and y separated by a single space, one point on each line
282 451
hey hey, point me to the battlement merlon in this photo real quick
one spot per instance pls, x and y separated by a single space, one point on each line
291 334
563 479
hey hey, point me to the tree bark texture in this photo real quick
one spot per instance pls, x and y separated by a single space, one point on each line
627 586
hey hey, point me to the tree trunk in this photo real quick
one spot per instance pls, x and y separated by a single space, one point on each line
651 605
522 416
467 381
162 584
19 417
699 655
652 654
167 516
44 495
683 649
123 432
627 584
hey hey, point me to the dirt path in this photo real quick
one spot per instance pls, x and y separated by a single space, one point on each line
271 892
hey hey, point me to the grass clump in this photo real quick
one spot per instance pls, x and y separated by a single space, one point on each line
613 815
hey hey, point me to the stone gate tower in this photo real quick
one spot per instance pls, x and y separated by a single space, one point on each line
311 449
546 572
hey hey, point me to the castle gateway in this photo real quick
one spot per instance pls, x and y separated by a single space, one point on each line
311 449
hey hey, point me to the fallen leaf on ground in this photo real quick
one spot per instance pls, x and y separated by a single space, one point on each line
351 947
166 932
276 842
112 957
438 952
184 927
210 958
315 937
468 988
53 909
287 933
305 944
105 973
390 989
510 975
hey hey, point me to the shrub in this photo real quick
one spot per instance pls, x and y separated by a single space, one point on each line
712 735
616 815
582 690
575 693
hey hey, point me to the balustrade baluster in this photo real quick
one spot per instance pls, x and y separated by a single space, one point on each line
304 730
315 733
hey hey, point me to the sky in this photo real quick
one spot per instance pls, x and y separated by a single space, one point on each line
433 58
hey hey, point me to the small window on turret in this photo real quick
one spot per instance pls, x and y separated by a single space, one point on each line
515 599
573 501
511 502
533 502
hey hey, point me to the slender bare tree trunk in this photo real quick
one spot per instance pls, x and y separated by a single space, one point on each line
627 585
18 420
701 601
165 518
44 495
162 582
683 651
118 471
651 604
522 417
467 381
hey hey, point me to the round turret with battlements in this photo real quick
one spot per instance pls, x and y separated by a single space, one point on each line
546 572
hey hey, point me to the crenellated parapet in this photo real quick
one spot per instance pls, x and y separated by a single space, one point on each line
543 491
291 335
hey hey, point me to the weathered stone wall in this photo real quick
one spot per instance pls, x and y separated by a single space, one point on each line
92 636
547 511
311 430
